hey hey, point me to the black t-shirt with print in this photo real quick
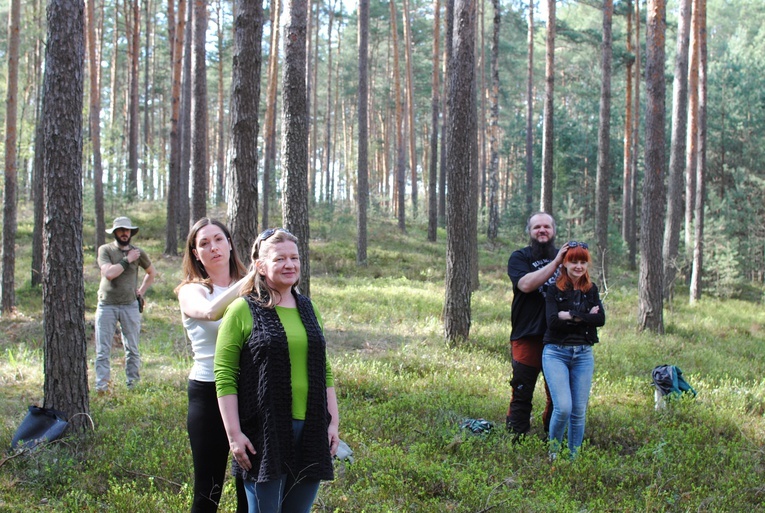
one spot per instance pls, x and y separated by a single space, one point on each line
528 309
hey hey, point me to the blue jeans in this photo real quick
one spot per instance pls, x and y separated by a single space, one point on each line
107 317
290 494
568 371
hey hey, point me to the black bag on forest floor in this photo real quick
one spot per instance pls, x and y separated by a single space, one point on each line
40 425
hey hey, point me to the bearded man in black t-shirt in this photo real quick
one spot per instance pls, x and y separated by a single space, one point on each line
531 269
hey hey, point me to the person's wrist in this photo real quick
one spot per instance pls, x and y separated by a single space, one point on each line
125 263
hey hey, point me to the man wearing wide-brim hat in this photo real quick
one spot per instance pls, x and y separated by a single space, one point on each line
120 300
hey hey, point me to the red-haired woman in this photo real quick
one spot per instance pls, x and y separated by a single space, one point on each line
574 312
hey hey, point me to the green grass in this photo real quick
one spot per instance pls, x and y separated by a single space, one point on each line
403 394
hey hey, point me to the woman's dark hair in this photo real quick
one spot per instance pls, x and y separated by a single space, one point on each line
564 281
194 271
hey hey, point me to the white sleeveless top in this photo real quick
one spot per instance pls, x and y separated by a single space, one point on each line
203 335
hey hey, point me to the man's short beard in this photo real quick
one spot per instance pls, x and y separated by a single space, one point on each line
541 250
120 243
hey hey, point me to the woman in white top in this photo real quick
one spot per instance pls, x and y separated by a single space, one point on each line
212 276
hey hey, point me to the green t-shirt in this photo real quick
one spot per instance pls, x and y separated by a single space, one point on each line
235 329
120 290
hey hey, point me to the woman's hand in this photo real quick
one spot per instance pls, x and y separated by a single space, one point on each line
240 445
565 315
595 309
334 439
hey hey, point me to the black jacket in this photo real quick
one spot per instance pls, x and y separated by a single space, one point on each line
573 332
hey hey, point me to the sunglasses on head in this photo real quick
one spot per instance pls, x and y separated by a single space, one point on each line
573 244
265 234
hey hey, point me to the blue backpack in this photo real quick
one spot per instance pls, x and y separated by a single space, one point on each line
669 381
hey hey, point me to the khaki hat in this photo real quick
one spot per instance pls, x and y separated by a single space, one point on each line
123 222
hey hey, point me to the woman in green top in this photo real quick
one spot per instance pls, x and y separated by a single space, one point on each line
274 383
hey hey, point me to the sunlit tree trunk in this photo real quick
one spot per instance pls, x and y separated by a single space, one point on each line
701 159
220 159
434 109
691 149
269 155
362 187
675 185
199 137
632 238
548 133
462 121
400 148
245 97
94 117
134 50
650 297
409 91
185 130
11 173
627 198
147 168
65 352
328 112
295 134
602 179
173 175
448 49
493 225
530 112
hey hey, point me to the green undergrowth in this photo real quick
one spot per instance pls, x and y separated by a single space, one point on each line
404 393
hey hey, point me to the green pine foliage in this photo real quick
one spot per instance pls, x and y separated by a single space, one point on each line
403 394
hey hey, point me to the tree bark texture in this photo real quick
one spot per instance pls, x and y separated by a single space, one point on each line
602 179
184 129
675 186
295 135
435 103
134 34
65 349
362 187
245 98
650 293
691 151
94 116
462 121
8 302
269 155
701 158
400 148
548 141
627 142
410 104
530 112
199 137
493 225
448 49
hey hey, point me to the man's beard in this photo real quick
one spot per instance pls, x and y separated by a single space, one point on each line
120 243
541 250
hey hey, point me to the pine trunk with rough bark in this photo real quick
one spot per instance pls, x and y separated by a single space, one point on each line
400 148
691 150
362 187
434 109
94 117
65 363
199 137
548 134
701 158
134 50
650 292
410 105
456 314
493 225
269 155
675 186
602 179
628 113
245 98
530 112
295 135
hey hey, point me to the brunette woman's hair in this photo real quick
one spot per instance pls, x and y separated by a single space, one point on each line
257 286
564 281
194 271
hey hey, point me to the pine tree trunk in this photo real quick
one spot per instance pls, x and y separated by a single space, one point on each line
434 109
530 112
95 124
691 150
602 179
650 296
65 365
462 121
410 105
362 186
295 135
675 184
269 155
628 113
448 50
493 226
185 130
199 137
548 135
400 148
11 169
245 98
220 166
701 159
134 45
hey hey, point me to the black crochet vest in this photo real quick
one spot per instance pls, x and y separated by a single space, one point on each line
265 398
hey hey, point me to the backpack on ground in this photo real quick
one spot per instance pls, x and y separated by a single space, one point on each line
669 383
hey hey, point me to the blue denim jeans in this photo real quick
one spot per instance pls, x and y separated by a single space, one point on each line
129 319
290 494
568 371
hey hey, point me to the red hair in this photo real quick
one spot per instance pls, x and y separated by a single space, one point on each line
564 282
